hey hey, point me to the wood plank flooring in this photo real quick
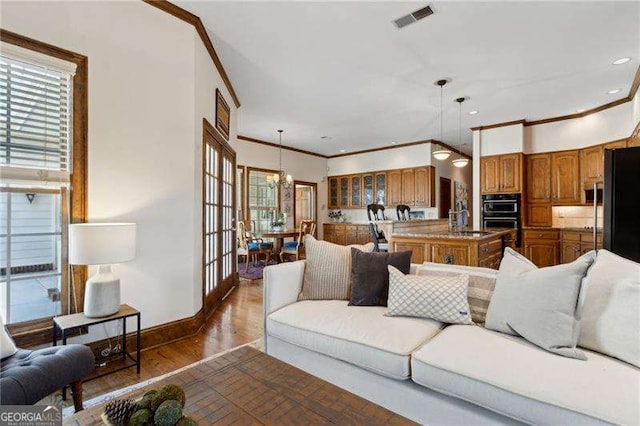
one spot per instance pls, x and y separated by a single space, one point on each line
238 320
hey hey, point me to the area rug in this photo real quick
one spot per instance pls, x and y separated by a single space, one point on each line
254 272
68 410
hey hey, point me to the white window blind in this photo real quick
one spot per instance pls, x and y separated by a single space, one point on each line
35 116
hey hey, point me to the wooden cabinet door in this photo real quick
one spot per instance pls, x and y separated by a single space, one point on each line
490 175
454 255
394 187
565 177
351 235
510 173
591 165
334 200
418 251
539 178
542 253
408 187
380 188
368 189
424 186
539 215
328 233
570 251
364 234
345 193
340 235
356 191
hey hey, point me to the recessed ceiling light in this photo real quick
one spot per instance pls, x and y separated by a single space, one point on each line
474 112
393 143
342 150
580 110
614 91
325 137
621 61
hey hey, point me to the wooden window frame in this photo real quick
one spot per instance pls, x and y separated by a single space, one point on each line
248 170
37 332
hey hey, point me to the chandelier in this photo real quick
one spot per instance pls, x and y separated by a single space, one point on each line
280 178
442 153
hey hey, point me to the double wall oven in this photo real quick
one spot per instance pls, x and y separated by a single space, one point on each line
503 211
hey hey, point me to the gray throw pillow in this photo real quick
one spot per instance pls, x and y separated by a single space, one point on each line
370 277
541 305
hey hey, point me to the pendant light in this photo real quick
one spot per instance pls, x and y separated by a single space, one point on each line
462 161
280 178
442 153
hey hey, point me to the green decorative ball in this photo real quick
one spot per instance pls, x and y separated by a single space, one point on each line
168 413
187 421
141 418
168 392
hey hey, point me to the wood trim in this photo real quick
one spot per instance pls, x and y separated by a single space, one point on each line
243 191
223 115
315 199
275 145
635 85
78 178
194 20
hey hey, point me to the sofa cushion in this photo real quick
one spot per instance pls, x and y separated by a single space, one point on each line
327 274
509 375
481 284
370 277
360 335
611 308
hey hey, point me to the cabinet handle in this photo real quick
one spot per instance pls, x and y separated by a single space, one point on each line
539 235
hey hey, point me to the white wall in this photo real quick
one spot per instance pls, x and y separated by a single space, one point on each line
150 84
303 167
398 158
605 126
501 140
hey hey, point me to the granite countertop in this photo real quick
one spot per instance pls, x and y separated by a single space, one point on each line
462 234
366 222
568 228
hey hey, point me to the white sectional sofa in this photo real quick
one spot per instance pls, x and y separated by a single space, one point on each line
437 374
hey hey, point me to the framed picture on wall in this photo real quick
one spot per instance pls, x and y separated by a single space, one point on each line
223 115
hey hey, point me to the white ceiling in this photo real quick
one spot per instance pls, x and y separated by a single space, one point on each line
343 70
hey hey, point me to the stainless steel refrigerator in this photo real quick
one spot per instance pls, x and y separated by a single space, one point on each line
622 202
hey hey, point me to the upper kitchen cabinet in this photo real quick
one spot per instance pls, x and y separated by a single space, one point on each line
394 187
538 178
565 177
424 186
334 200
591 165
344 184
408 187
501 174
380 188
356 191
368 189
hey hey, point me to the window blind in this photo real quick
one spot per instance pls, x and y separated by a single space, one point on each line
35 116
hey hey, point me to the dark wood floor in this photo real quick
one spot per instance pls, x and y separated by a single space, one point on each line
238 320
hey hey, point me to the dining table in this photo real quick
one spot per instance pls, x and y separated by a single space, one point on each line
279 236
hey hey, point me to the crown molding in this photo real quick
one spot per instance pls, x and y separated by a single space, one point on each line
194 20
275 145
632 93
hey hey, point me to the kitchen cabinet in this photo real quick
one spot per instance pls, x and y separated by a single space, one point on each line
538 178
539 215
575 243
408 187
381 188
565 177
346 234
616 145
424 187
334 201
501 174
591 165
356 191
368 189
394 187
542 246
345 189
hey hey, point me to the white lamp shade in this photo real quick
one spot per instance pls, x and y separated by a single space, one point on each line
460 162
101 243
441 154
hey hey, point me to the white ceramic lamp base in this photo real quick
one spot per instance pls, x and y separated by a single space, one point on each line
102 293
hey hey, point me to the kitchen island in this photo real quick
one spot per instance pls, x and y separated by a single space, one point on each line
459 247
347 233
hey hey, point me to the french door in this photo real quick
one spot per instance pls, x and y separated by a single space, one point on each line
218 200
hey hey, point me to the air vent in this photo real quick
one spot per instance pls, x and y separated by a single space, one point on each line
413 17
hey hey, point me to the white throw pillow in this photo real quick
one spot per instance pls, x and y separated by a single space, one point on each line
7 345
611 308
540 305
327 272
443 298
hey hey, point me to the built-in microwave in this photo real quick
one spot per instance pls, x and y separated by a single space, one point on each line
590 193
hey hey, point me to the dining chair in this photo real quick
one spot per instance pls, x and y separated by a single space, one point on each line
296 248
402 211
375 210
250 246
378 243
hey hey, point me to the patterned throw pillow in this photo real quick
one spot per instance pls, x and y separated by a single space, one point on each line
327 273
441 298
482 281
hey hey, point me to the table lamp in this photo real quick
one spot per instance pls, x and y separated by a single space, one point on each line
101 244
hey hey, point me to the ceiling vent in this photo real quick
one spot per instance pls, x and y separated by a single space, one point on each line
413 17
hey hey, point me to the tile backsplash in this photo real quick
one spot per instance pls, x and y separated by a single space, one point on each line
575 216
